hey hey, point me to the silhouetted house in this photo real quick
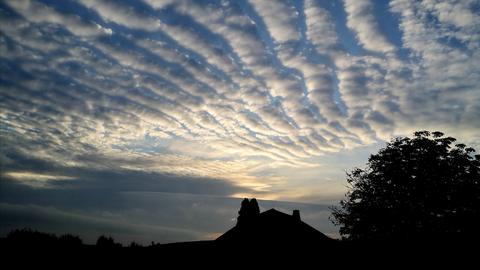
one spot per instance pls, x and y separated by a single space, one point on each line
270 227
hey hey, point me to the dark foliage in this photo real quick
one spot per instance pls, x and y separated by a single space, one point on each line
70 240
416 187
249 210
134 245
107 242
31 238
28 237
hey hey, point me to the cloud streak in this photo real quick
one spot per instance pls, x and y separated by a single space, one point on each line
362 21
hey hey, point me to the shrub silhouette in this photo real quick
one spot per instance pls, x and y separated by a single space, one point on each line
249 210
107 242
134 244
30 238
413 188
70 240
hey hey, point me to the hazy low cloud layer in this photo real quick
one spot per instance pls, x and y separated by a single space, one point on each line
232 98
136 216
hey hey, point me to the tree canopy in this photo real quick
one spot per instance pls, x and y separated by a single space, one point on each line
414 187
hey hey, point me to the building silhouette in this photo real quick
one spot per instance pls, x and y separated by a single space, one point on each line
271 227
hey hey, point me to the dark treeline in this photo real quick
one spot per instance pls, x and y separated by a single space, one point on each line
31 238
39 247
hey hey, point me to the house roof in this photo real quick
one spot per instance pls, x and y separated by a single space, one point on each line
273 226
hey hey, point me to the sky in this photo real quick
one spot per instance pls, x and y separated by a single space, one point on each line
150 120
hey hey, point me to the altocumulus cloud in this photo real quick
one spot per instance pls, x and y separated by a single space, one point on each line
217 99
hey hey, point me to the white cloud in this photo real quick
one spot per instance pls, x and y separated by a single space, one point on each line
123 15
458 13
361 20
37 12
321 29
436 77
280 17
36 180
29 176
209 94
159 4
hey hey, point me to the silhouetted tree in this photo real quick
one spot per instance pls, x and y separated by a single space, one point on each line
249 210
254 207
28 237
134 244
414 187
107 242
244 207
70 240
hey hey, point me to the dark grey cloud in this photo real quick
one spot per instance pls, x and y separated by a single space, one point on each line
108 179
123 209
378 117
129 205
145 217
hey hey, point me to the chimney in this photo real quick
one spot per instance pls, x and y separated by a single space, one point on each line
296 215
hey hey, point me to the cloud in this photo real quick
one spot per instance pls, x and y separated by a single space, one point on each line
35 179
112 176
441 63
320 29
458 14
90 225
228 91
138 216
126 16
159 4
362 21
280 18
38 13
